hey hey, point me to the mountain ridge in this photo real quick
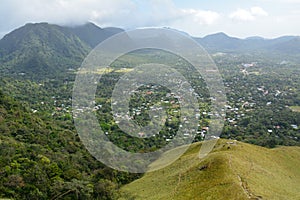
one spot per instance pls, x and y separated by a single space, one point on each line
92 34
233 170
40 49
43 49
224 43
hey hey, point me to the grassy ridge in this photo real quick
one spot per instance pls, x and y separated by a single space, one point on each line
231 171
295 108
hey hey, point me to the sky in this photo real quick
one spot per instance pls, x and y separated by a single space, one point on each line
238 18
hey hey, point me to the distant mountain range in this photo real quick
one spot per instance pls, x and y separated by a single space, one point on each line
220 42
46 49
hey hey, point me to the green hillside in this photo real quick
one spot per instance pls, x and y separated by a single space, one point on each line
234 170
44 159
41 50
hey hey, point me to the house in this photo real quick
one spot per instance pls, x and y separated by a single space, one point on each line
294 126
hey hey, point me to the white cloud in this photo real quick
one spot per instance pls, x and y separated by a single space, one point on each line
242 15
121 13
130 14
16 13
165 13
201 17
258 11
248 15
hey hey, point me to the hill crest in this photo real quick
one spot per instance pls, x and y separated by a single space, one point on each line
234 170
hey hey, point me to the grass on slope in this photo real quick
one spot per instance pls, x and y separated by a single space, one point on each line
295 108
231 171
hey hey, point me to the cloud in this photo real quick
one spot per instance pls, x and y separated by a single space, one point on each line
248 15
122 13
242 15
201 17
165 13
258 11
16 13
129 14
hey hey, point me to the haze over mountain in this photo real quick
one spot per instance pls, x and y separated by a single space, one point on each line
50 49
224 43
92 34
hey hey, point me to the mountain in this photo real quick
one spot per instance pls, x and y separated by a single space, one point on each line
92 34
45 50
234 170
220 42
41 49
290 46
255 38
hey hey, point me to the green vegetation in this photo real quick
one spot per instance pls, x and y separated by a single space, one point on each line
39 51
42 156
234 170
295 108
44 159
